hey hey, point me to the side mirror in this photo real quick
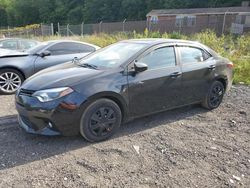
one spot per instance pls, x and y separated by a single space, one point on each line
75 60
45 53
140 67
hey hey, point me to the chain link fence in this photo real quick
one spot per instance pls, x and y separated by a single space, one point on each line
28 31
112 27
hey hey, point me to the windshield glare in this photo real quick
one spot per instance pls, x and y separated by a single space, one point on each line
114 55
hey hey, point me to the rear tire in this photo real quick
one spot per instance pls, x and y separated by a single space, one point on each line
100 120
214 96
10 81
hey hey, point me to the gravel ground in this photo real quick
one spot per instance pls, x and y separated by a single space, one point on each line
188 147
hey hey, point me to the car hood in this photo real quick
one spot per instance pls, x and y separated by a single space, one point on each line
64 75
11 53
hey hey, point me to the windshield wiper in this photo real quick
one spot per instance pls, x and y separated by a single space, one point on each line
88 66
78 62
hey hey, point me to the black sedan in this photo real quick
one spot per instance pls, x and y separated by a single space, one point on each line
123 81
15 67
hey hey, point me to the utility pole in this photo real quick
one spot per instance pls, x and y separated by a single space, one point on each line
100 27
67 30
224 22
42 29
123 24
52 29
82 28
58 27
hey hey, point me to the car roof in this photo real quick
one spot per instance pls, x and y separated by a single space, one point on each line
156 41
3 39
59 41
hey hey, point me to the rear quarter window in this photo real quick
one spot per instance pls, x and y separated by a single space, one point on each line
192 55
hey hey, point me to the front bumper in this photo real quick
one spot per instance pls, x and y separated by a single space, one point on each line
29 129
58 117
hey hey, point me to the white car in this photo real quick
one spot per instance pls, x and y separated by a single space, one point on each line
17 44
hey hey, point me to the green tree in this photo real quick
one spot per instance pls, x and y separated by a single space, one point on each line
23 12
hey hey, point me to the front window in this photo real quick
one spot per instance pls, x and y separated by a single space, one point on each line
64 48
160 58
114 55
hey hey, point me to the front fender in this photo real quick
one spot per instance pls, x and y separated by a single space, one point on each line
23 64
120 100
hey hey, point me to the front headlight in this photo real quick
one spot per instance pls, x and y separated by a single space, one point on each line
52 94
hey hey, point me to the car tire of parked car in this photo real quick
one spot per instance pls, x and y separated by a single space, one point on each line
100 120
214 96
10 81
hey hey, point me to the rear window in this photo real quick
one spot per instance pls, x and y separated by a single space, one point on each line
9 44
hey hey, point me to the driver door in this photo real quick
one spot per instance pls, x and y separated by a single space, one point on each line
157 88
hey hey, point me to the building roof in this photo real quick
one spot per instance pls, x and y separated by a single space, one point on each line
199 11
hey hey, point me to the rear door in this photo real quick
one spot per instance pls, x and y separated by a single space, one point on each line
198 69
157 88
62 52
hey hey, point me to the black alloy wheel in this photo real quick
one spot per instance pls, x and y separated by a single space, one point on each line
214 96
100 120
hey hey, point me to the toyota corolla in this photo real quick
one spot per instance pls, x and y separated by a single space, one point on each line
93 96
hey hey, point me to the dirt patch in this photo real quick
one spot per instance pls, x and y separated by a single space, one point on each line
188 147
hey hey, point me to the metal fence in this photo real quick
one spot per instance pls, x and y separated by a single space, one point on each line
221 24
235 23
112 27
42 30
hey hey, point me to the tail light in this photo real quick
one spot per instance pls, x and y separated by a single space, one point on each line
230 65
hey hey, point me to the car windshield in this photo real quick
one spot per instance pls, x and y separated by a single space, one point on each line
112 56
37 48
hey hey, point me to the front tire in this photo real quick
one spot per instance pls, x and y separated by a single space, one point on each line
100 120
10 81
214 96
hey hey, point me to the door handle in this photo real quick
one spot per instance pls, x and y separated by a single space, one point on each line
211 67
175 74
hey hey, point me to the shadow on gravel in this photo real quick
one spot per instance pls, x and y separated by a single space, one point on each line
19 148
8 120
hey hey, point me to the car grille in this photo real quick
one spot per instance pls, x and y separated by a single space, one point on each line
26 92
